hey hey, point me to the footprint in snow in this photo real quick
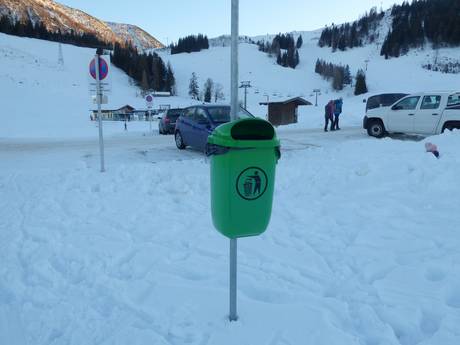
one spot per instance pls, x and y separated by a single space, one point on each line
435 274
453 297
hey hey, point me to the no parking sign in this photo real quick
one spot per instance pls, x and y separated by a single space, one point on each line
104 75
149 101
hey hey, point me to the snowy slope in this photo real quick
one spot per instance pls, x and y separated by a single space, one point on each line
58 17
275 82
43 99
30 71
138 37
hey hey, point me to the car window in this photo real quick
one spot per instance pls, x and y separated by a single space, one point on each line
409 103
383 100
431 102
189 113
200 116
222 114
373 102
453 100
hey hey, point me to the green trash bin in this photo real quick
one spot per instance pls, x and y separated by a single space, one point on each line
244 154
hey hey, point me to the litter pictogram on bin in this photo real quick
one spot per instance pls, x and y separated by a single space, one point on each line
252 183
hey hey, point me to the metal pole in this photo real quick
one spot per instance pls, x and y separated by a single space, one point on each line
233 316
234 61
150 119
233 113
245 97
99 113
316 102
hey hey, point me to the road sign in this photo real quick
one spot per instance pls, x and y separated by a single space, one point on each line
104 75
149 101
103 69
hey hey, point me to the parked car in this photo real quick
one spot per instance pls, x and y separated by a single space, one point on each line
196 123
425 113
167 123
383 100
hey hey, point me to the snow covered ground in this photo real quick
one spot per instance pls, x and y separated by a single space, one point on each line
362 249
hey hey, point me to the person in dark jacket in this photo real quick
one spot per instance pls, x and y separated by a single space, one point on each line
329 115
338 104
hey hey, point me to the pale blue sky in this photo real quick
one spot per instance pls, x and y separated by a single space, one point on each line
170 19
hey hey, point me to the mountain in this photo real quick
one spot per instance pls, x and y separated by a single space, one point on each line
58 17
139 38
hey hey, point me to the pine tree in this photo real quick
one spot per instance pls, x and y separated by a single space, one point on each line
299 42
208 89
279 59
170 80
144 82
337 81
193 89
347 75
360 86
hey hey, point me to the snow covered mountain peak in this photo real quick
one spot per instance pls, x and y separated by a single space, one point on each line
56 16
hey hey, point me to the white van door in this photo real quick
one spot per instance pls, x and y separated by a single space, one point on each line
427 117
401 115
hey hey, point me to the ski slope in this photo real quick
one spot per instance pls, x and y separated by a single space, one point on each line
46 100
42 99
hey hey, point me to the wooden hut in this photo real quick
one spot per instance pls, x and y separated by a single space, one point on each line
284 112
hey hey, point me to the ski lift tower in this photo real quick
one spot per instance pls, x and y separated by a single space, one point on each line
245 85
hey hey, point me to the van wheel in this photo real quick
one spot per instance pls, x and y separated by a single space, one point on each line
179 141
376 129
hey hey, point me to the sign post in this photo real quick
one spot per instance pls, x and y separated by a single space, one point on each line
233 315
99 70
149 100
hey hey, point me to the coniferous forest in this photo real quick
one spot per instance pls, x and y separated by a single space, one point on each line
433 21
190 44
352 35
284 47
148 70
340 75
26 28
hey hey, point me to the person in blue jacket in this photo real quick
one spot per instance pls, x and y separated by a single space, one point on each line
338 104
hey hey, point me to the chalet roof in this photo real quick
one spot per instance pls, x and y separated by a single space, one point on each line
297 100
127 106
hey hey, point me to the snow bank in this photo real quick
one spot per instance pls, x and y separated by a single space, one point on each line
362 249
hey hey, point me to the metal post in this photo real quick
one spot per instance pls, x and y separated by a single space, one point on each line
316 91
233 316
99 113
245 85
234 61
234 115
150 119
245 98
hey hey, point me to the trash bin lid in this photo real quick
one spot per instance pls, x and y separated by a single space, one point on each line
245 133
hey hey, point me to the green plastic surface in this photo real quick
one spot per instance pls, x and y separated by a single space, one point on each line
243 178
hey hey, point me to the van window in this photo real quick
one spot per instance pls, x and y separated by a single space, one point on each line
409 103
431 102
453 100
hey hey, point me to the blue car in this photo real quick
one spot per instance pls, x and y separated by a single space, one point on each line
196 123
